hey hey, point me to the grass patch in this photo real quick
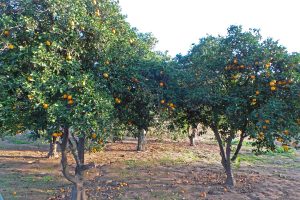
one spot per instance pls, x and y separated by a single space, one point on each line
15 140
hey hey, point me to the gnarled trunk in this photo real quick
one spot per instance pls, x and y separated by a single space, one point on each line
53 149
225 155
78 191
141 140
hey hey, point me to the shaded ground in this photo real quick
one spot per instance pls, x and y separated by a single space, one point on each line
166 170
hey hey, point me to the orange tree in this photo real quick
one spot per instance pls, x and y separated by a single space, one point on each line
59 63
240 84
137 97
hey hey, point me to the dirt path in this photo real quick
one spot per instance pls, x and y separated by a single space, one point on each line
167 170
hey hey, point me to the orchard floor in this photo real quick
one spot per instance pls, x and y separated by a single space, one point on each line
166 170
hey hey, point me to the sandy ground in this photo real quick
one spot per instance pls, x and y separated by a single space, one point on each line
166 170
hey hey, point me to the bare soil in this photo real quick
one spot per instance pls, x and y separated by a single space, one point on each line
166 170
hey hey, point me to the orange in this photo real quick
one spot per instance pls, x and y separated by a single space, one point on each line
105 75
69 97
65 96
48 43
118 101
252 77
54 134
114 31
235 61
107 62
264 127
6 33
70 102
272 84
161 84
11 46
257 92
242 67
286 132
162 101
94 135
267 121
273 88
45 106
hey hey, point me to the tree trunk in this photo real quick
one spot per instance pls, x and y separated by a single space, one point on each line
141 140
238 148
80 149
78 191
192 135
230 182
53 149
226 162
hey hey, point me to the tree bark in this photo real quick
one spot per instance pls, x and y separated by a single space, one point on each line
230 182
53 149
141 140
239 146
78 192
192 135
225 156
80 149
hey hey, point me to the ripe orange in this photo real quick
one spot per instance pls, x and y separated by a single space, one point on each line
94 135
65 96
70 102
162 101
273 88
105 75
107 62
6 33
264 127
253 100
286 132
242 67
48 43
69 97
267 121
257 92
252 77
161 84
45 106
272 84
235 61
118 101
54 134
11 46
